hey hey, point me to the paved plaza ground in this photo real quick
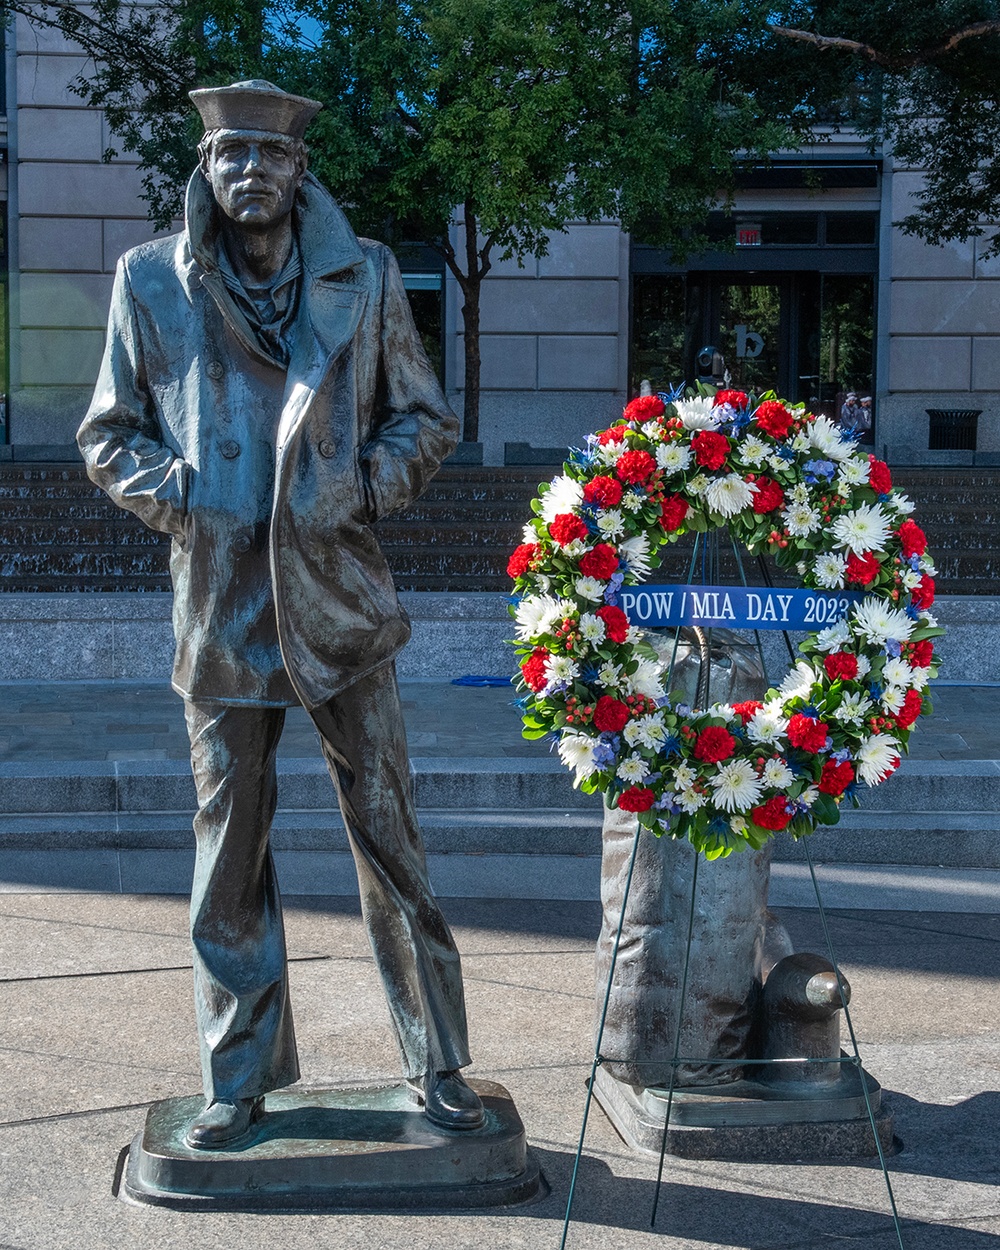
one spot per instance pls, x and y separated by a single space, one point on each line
97 1022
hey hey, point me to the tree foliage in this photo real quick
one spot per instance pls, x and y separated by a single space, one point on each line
920 74
523 114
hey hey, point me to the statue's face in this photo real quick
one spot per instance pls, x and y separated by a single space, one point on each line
254 175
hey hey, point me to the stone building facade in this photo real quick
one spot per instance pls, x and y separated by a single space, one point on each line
822 297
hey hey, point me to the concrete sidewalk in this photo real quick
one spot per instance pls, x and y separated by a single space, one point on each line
98 1022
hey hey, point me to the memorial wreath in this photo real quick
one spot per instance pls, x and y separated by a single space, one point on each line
784 482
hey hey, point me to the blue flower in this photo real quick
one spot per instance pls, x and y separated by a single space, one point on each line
912 613
614 585
816 470
892 647
590 674
915 563
785 452
718 824
682 709
671 746
875 690
581 456
514 599
841 757
522 703
672 393
604 752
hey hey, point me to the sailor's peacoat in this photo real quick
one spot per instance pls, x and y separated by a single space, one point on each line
268 481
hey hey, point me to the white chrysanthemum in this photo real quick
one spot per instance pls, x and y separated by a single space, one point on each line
902 503
650 730
633 770
631 733
928 566
829 571
528 534
767 724
684 776
866 528
776 775
928 619
592 628
738 825
647 680
536 614
636 553
897 673
809 795
877 757
877 622
864 666
632 501
611 523
798 681
826 437
590 588
610 676
892 699
723 711
800 519
911 580
698 484
752 450
853 472
799 493
634 634
736 786
777 464
729 495
560 670
577 752
673 457
800 441
611 453
690 800
853 709
834 636
697 414
920 677
564 495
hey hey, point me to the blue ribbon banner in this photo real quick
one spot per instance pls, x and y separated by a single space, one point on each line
735 607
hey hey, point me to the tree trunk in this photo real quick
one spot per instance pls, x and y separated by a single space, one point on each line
470 316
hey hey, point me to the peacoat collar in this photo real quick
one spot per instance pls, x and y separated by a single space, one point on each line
333 297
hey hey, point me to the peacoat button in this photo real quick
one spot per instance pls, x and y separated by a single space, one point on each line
241 543
327 448
215 369
230 449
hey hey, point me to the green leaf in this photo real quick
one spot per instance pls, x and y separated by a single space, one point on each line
825 810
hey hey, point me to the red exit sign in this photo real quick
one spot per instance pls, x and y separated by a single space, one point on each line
748 234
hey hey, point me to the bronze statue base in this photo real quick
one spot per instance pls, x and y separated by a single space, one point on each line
750 1120
359 1149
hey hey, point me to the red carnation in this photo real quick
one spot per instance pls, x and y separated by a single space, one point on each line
635 466
610 716
714 744
616 434
603 490
645 408
773 814
913 539
922 655
863 569
774 418
836 777
879 477
923 593
910 710
566 527
636 799
533 669
521 558
841 666
807 733
601 562
673 510
615 622
736 399
746 711
768 496
710 449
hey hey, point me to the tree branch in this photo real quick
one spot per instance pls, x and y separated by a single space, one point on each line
903 60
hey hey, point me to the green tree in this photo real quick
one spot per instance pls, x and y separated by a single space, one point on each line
920 74
515 116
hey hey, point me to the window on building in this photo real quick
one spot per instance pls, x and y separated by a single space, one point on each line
426 296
